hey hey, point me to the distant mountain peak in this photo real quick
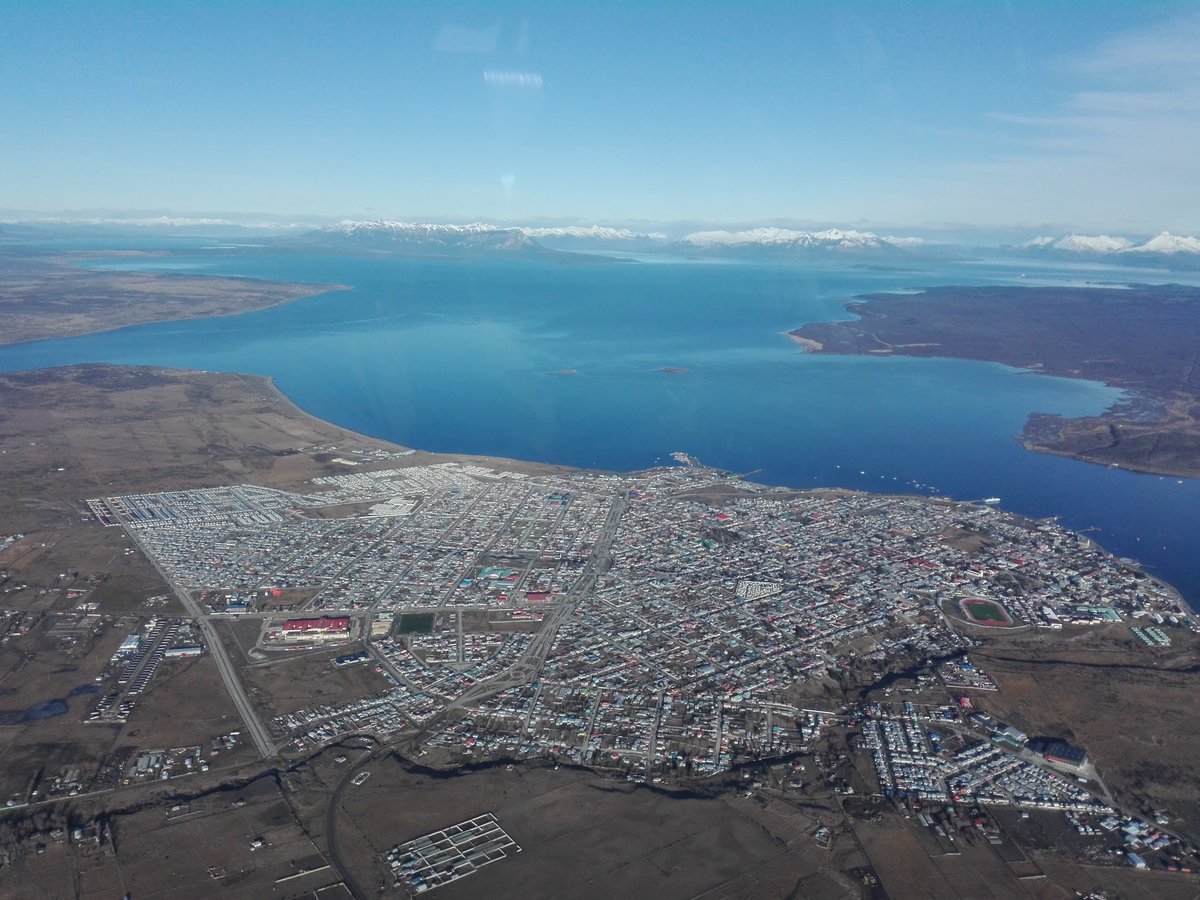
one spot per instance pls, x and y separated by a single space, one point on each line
1165 242
833 239
591 232
405 229
385 234
1080 243
910 243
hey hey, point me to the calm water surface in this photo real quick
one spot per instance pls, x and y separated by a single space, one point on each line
469 357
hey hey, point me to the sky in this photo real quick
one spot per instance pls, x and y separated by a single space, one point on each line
1082 115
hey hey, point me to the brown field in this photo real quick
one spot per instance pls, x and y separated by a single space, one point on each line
911 864
240 636
583 836
286 684
892 846
35 669
80 557
191 849
183 429
1131 707
62 741
48 296
186 684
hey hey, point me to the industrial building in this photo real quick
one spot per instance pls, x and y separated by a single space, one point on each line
1059 751
322 628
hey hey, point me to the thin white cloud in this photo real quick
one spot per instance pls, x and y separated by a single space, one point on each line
1120 151
1167 47
528 81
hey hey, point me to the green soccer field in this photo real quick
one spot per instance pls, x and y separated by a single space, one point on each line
986 612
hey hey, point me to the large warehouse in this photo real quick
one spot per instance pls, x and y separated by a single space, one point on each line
323 628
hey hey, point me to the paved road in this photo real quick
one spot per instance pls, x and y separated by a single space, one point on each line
331 807
233 684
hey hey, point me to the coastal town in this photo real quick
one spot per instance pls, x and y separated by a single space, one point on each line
680 632
663 626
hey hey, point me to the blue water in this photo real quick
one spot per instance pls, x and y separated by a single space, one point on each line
47 709
466 357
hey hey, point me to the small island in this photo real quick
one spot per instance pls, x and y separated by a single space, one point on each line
1141 338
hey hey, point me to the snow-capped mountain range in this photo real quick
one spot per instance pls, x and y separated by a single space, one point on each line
911 243
1167 243
769 242
409 236
480 235
416 236
1103 243
591 233
424 231
1080 243
786 238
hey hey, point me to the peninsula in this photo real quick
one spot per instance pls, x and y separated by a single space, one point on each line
47 295
1144 339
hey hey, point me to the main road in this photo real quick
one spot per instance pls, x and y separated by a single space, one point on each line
233 684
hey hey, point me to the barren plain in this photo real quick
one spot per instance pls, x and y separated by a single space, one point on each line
49 295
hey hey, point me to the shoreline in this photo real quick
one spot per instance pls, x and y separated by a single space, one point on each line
112 379
1134 343
511 463
32 286
808 345
418 454
317 291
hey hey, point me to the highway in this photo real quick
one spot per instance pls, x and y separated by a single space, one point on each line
258 732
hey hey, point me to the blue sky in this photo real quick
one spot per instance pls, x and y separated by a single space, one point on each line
1083 115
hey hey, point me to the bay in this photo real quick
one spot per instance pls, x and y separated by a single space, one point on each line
473 357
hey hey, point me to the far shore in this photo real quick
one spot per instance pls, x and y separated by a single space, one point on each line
1140 340
807 344
52 297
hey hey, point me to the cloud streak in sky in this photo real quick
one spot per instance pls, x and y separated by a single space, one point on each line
529 81
1124 139
1169 47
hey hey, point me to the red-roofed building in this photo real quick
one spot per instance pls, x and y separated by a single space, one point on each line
322 628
